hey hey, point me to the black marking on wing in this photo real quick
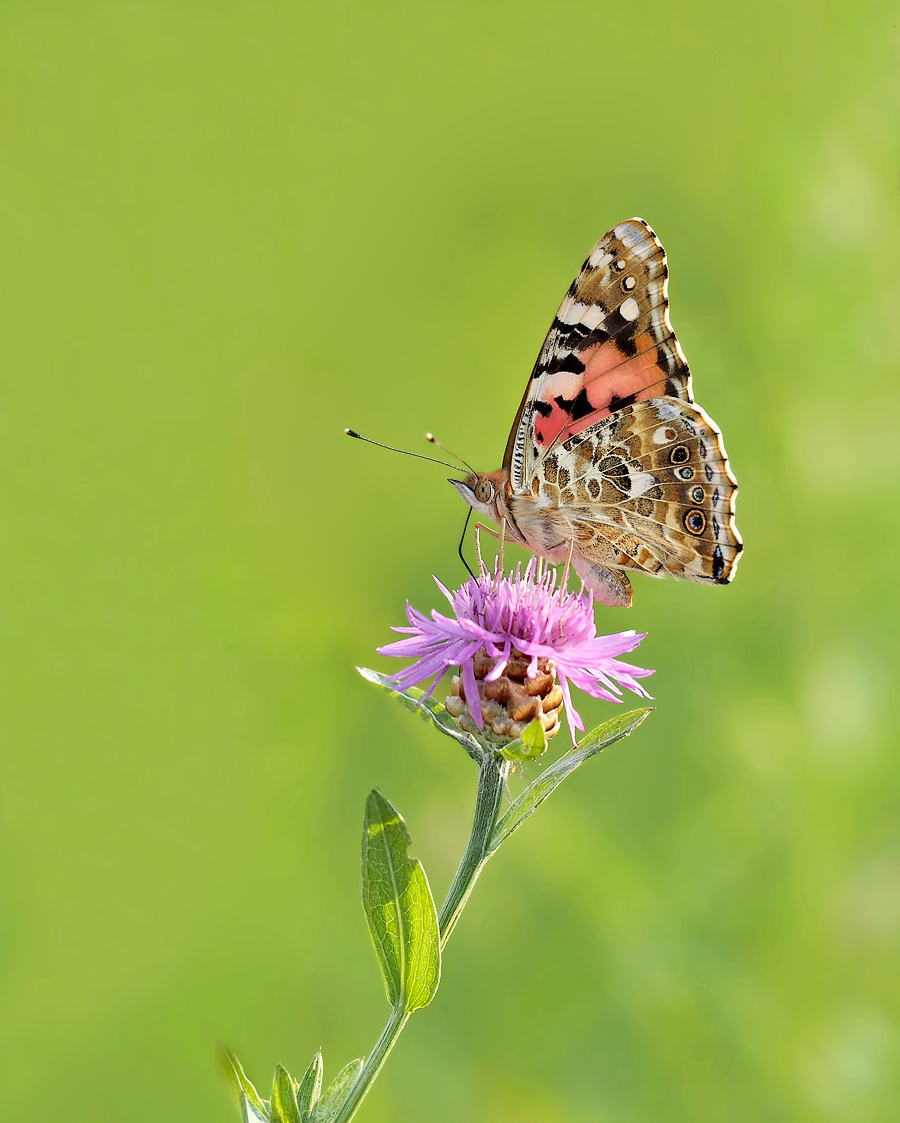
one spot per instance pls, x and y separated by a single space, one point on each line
568 339
568 362
623 336
581 406
620 403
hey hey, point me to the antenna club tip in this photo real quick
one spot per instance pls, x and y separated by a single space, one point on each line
351 433
429 437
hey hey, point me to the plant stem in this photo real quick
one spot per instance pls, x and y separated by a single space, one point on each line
372 1067
492 774
491 786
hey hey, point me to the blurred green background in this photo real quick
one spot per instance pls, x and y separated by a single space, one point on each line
229 229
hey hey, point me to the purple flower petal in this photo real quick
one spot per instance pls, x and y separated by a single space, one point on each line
527 612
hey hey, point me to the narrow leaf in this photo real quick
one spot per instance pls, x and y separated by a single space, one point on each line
337 1090
535 794
284 1098
245 1096
399 908
251 1114
430 710
310 1087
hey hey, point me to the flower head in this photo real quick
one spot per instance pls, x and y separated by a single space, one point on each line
502 621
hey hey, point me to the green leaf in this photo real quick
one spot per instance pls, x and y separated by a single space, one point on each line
310 1087
337 1091
532 743
251 1114
246 1098
284 1098
431 711
399 908
535 794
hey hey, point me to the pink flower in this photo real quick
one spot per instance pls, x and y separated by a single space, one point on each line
524 612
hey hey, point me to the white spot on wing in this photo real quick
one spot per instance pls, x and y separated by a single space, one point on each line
667 411
571 311
574 312
641 482
630 234
563 384
629 308
593 317
659 435
600 257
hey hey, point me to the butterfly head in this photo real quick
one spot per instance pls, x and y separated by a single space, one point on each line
481 490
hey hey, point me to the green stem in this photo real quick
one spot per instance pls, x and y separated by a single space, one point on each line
491 786
492 775
372 1067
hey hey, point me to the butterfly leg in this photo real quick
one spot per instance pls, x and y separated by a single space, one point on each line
565 579
482 568
501 538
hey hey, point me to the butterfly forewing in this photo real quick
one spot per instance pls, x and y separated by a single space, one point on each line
611 344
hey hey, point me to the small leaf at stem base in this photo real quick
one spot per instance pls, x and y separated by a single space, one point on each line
246 1098
284 1107
337 1090
309 1089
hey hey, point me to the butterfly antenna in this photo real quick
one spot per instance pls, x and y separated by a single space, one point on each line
432 439
405 451
462 540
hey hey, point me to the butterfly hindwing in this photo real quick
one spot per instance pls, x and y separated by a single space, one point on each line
611 344
649 489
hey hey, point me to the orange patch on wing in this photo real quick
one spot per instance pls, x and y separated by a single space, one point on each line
547 429
609 373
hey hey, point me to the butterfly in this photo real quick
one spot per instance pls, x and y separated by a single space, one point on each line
610 462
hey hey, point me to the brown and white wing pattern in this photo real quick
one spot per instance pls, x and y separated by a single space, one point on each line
647 489
610 345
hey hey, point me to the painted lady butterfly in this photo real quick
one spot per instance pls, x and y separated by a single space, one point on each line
609 460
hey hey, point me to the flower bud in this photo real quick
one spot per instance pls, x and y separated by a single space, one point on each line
512 701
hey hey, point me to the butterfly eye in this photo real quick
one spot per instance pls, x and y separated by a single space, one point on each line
484 491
